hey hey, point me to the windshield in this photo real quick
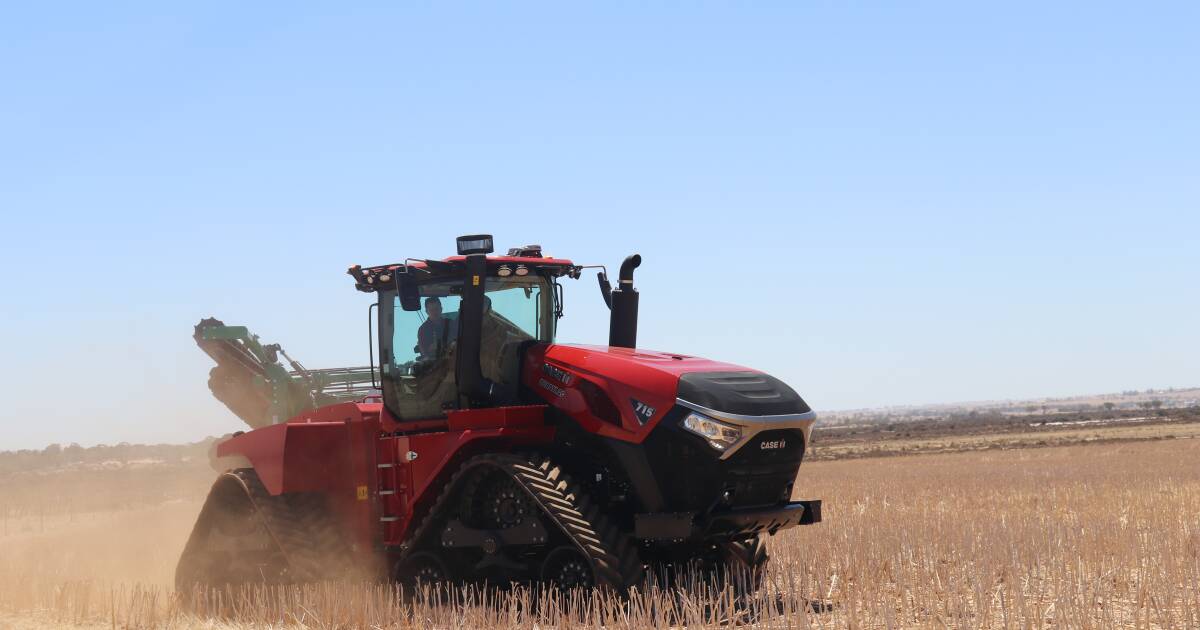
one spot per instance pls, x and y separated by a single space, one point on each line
419 365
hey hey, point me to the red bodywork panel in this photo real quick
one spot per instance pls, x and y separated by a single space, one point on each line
625 375
309 452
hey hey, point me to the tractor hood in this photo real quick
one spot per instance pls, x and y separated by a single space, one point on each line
624 392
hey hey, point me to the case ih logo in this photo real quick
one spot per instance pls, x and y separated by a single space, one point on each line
557 373
773 444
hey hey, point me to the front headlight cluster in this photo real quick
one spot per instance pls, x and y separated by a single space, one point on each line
719 434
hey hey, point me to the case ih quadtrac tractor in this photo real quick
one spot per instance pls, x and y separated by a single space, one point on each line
476 449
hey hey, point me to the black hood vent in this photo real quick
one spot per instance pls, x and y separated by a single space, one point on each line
741 393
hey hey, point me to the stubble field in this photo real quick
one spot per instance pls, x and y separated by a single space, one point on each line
1092 535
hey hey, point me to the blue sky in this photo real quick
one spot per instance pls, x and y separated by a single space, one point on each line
879 204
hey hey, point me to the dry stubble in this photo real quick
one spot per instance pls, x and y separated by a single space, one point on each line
1104 535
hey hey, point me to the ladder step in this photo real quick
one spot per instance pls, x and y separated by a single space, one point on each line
387 465
389 519
385 492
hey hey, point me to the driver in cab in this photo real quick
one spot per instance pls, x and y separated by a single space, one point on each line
434 332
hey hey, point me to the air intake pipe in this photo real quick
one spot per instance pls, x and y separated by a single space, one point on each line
623 320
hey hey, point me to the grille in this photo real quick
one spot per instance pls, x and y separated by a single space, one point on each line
771 448
692 477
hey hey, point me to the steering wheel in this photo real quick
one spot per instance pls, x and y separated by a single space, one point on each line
422 365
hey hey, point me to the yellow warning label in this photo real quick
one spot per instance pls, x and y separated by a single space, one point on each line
475 280
362 493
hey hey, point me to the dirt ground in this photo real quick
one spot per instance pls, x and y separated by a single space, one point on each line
1099 532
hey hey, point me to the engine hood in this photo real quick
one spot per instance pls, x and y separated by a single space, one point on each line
635 361
643 385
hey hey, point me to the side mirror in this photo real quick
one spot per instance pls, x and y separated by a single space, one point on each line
410 294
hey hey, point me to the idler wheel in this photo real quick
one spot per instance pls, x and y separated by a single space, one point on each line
423 568
566 567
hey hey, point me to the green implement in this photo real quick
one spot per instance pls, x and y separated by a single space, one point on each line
252 382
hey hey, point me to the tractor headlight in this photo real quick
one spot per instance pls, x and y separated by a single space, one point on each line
719 435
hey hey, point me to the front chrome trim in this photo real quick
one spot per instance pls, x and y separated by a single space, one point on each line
753 425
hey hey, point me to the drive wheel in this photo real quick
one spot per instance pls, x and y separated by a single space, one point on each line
566 567
496 501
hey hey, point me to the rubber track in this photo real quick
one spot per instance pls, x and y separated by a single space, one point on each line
614 560
302 526
299 524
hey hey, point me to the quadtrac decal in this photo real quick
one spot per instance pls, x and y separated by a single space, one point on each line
643 411
552 388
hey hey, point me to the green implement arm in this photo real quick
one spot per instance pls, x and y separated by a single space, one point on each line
251 381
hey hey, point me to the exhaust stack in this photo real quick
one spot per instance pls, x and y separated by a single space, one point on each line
623 320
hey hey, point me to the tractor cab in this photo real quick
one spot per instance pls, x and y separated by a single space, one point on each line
452 331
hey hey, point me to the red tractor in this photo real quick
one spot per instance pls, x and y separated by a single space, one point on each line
476 449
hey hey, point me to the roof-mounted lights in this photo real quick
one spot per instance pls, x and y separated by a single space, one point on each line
522 270
474 244
504 271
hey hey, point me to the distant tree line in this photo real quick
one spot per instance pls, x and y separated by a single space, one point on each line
57 456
